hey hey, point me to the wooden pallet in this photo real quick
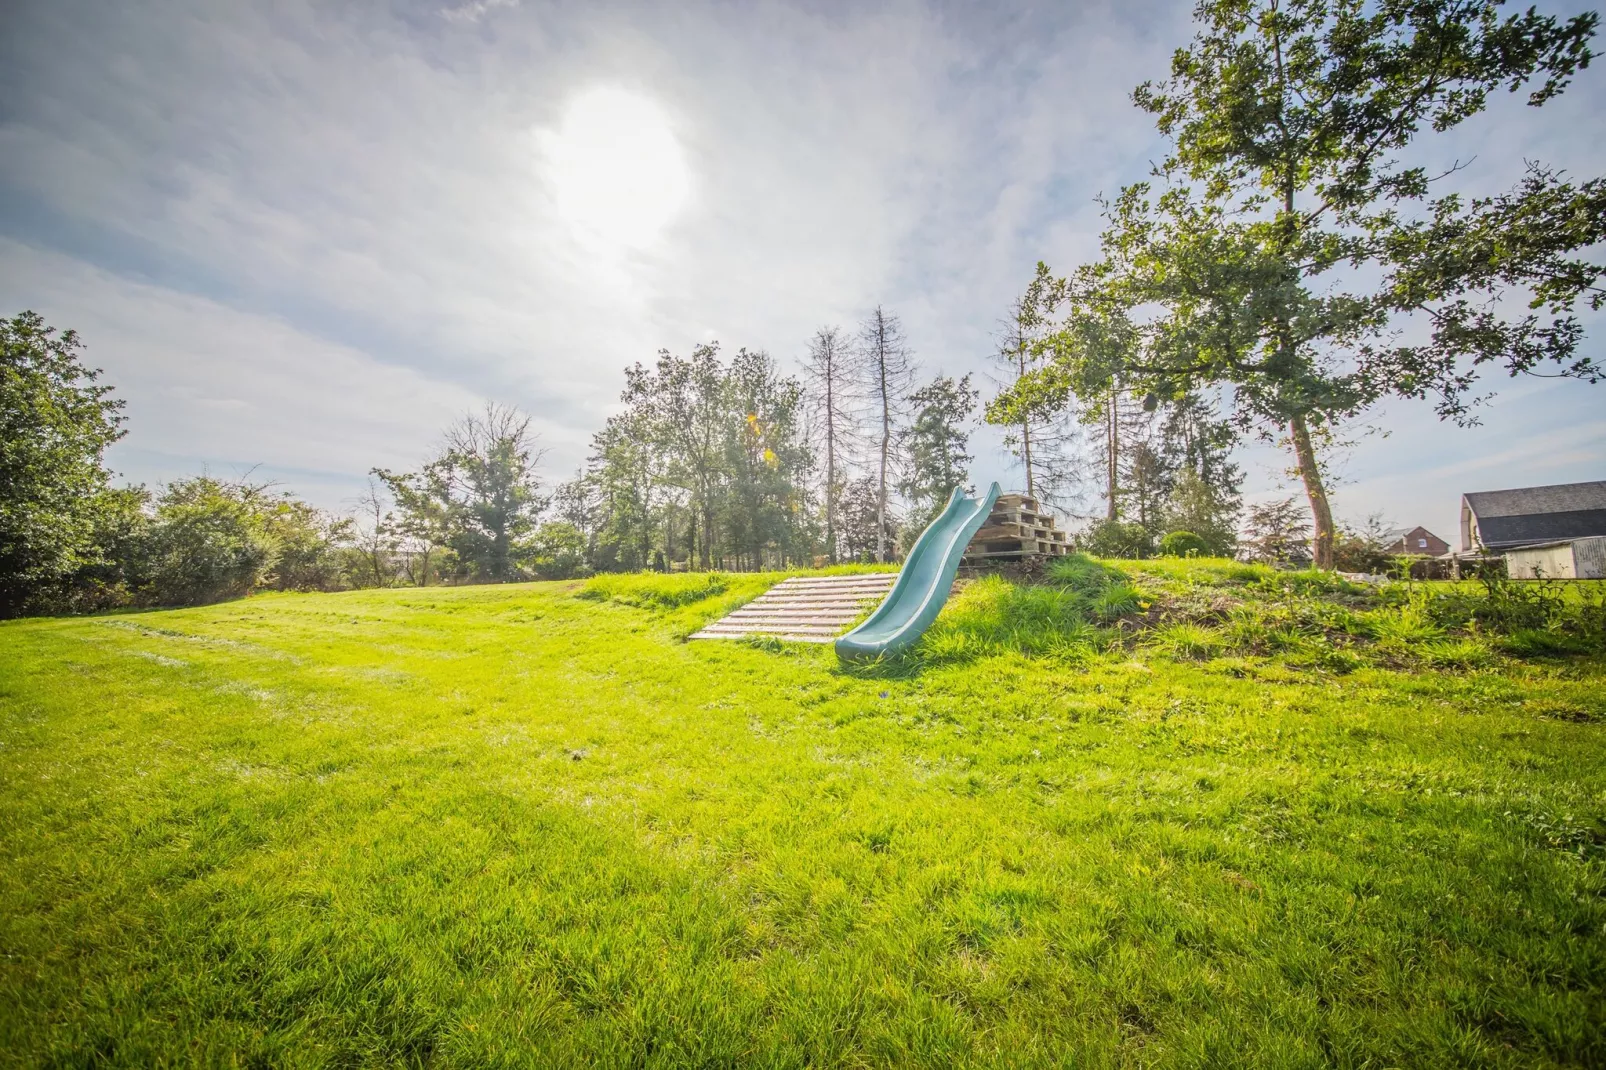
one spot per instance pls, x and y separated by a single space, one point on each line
804 609
1018 531
1017 527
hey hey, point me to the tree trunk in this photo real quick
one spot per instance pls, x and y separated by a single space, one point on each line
1321 513
1112 453
1025 428
886 444
669 541
830 462
707 549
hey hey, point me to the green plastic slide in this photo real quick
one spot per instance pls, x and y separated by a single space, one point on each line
924 582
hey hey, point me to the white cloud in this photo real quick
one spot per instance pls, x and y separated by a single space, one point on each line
207 386
366 184
475 10
1536 432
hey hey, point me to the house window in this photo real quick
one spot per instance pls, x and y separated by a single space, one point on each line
1422 543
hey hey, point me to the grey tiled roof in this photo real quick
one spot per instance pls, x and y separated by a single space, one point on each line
1526 501
1394 535
1530 515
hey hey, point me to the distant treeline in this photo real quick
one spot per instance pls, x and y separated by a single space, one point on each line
1288 261
712 464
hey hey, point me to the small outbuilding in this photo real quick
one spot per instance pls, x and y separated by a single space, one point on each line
1532 516
1569 559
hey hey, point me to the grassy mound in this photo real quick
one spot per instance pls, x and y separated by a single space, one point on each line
1197 610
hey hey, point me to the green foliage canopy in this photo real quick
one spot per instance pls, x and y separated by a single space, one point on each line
707 464
56 421
936 447
1288 238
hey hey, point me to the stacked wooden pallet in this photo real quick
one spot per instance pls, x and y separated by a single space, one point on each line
1017 527
804 609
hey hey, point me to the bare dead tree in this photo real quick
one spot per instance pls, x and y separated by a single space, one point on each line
887 375
374 542
1014 354
828 372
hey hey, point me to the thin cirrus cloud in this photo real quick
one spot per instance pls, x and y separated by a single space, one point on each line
349 220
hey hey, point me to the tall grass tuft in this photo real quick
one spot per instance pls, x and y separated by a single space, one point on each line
655 590
1080 572
1188 642
1406 625
1457 654
992 615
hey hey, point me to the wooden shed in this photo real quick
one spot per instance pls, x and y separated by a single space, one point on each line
1568 559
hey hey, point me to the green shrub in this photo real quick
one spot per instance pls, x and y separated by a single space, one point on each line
308 555
1510 605
1182 544
1358 552
209 541
557 551
1118 539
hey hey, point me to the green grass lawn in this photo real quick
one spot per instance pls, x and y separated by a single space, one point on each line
1191 815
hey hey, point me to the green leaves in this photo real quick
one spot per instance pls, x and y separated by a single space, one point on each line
1314 95
56 421
1455 264
708 459
480 497
936 446
1288 245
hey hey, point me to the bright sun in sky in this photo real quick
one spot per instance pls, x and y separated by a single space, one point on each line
616 167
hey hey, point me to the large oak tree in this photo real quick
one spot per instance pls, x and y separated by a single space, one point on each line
1290 253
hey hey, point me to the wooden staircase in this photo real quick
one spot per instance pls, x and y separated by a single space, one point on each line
804 609
1017 527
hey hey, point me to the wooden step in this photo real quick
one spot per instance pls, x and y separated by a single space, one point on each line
1017 531
804 609
789 618
821 633
790 637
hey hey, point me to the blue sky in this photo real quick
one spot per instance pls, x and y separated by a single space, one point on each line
304 237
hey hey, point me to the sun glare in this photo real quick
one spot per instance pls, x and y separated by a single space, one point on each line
617 171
